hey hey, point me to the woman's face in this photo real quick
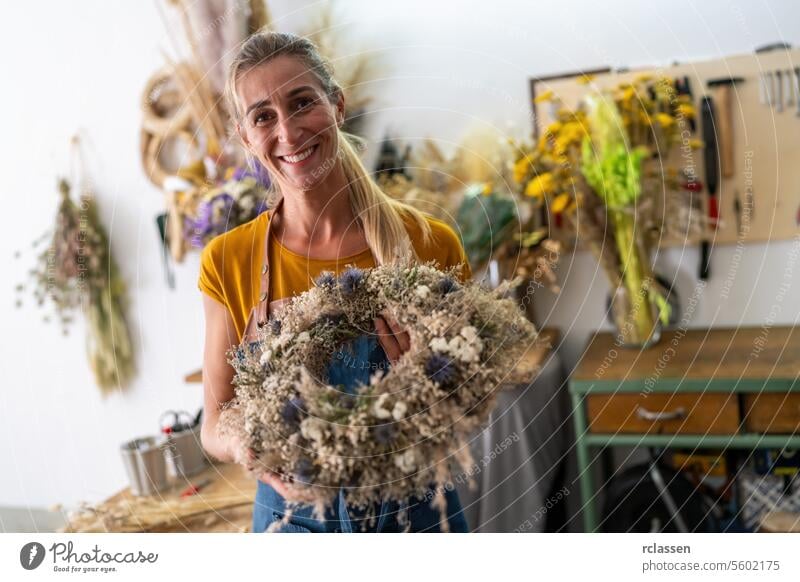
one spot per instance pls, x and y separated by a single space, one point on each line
288 123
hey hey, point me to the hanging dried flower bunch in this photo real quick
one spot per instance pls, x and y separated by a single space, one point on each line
76 271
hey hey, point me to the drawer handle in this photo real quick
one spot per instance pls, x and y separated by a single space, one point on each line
645 414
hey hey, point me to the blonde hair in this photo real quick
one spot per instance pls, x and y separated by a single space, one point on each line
380 214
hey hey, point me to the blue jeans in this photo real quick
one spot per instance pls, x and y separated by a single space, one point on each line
352 365
270 507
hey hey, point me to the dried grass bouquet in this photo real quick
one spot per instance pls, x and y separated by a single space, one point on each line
399 435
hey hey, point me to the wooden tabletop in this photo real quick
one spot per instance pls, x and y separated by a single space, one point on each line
746 353
531 363
225 504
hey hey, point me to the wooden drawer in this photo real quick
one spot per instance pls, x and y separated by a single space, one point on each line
772 413
708 413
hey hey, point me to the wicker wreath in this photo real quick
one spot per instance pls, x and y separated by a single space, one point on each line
399 433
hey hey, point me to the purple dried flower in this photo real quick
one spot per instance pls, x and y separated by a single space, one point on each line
261 174
239 173
384 434
448 285
275 326
326 279
347 400
293 411
253 170
350 280
440 369
304 470
213 218
334 320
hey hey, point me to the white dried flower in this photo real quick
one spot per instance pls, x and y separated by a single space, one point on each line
284 339
439 344
378 410
468 353
406 461
265 357
399 410
423 291
313 429
470 333
246 203
303 336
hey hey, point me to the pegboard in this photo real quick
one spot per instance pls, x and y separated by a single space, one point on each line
765 141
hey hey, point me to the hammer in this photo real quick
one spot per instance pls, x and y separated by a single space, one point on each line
724 118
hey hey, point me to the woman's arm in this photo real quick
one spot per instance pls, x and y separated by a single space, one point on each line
218 389
217 377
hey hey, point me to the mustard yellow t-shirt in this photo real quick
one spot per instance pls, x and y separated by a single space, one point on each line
230 265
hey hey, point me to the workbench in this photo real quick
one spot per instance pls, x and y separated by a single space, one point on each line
702 388
224 504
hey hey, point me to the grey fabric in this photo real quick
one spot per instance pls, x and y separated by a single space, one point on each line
517 456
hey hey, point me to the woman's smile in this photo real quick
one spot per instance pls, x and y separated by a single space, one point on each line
300 158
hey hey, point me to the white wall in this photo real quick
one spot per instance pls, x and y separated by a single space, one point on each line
448 65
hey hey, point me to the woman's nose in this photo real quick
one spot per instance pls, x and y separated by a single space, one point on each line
288 129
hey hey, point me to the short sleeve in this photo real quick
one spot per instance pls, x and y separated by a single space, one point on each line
455 252
209 281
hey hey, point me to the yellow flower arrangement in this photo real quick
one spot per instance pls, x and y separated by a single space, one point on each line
611 138
540 185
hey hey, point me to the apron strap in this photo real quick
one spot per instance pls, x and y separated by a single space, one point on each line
260 312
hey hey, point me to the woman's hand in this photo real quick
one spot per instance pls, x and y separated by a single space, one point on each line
248 457
393 338
274 480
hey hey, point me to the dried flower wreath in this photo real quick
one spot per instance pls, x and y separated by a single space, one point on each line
400 434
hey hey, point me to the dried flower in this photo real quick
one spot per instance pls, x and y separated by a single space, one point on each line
406 461
399 410
448 285
378 407
326 279
350 279
293 412
304 470
384 434
313 429
77 270
440 369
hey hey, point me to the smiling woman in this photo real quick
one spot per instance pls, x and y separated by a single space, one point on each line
326 212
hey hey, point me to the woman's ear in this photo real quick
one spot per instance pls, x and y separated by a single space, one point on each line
340 109
242 133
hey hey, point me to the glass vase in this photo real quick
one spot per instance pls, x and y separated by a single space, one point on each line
635 318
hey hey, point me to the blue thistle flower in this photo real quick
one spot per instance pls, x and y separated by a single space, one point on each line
440 369
384 434
448 285
293 411
350 279
347 400
304 470
334 320
325 279
275 326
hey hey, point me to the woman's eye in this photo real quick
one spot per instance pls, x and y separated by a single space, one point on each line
304 103
261 118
